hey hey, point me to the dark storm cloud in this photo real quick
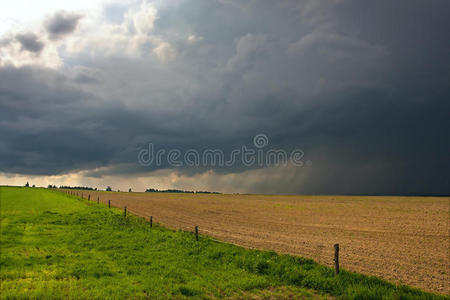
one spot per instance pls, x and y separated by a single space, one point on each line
30 42
44 124
61 24
368 105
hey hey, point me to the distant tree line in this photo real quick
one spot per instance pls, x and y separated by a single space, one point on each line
76 188
151 190
206 192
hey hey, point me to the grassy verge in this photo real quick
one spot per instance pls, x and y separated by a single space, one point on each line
56 246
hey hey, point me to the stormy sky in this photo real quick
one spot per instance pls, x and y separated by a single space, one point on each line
361 87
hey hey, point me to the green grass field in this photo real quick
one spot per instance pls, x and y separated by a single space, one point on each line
55 246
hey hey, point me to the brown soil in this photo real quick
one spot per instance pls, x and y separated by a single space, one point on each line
401 239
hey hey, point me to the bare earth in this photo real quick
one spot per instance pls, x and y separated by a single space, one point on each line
401 239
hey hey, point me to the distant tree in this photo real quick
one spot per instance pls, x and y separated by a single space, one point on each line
129 190
50 186
108 189
33 185
27 184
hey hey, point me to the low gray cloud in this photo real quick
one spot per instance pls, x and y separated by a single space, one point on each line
30 42
61 24
370 115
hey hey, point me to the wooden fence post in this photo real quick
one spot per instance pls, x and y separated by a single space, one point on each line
151 221
89 197
125 211
336 258
196 233
109 203
98 200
